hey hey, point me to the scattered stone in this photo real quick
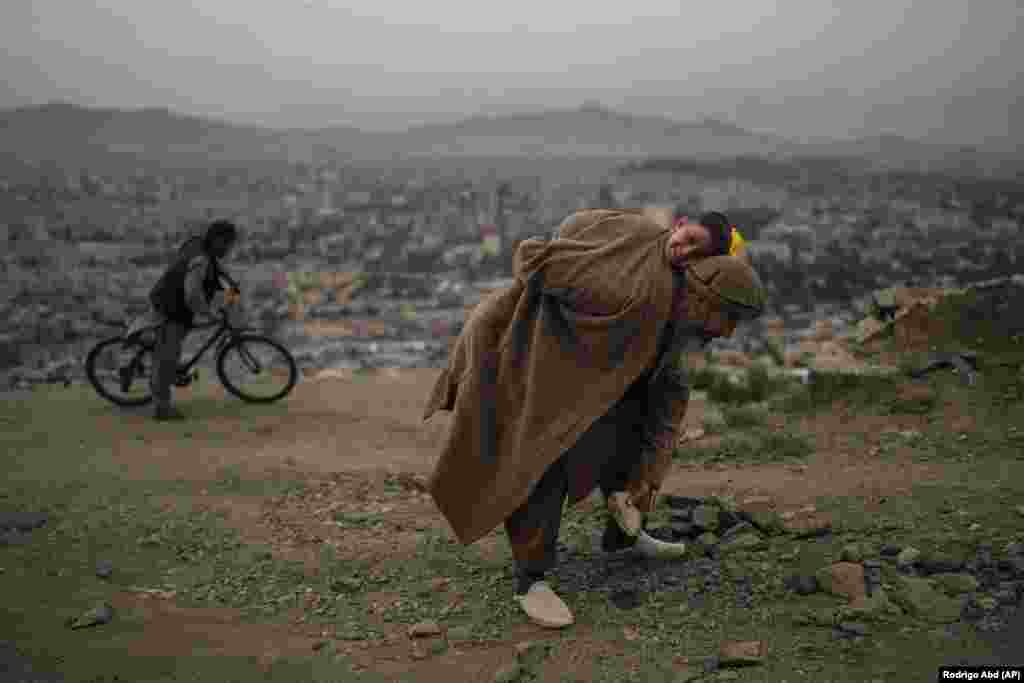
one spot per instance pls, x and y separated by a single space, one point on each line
728 518
940 564
802 584
682 529
1017 566
851 552
706 517
843 579
22 521
742 653
854 628
104 569
682 502
711 664
907 558
955 584
1006 596
1014 548
424 629
97 616
13 537
920 599
628 598
889 550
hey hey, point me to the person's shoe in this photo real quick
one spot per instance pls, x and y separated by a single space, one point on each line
652 548
165 412
625 513
543 606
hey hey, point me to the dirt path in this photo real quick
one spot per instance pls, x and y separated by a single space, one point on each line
354 440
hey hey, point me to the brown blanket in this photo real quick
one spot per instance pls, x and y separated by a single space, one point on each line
539 362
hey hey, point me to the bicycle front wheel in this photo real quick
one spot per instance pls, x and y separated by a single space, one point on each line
119 370
257 369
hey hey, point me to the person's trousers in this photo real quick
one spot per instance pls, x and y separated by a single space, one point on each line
170 337
611 455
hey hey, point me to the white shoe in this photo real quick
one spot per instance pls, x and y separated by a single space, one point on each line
625 513
654 549
544 608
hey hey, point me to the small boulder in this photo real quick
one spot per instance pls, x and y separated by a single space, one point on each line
802 584
104 569
97 616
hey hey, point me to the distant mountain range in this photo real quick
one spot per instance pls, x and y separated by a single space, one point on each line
72 136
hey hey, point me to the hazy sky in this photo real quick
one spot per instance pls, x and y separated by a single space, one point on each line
798 67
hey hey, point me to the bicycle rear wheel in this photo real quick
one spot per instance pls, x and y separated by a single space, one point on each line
257 369
119 371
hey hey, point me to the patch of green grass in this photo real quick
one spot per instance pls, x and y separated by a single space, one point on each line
751 447
875 394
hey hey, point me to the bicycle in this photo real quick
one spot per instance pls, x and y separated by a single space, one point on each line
133 369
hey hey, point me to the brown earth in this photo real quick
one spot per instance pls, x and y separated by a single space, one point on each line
360 444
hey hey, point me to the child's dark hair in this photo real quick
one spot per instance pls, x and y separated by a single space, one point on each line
721 231
220 228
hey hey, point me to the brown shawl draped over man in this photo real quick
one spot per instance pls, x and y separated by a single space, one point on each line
540 362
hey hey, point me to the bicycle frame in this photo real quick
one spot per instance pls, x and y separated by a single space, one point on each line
224 334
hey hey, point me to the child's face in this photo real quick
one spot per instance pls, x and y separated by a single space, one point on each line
688 241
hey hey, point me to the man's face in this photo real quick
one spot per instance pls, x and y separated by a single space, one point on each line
688 241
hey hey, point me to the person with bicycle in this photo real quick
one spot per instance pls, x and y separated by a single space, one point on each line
193 285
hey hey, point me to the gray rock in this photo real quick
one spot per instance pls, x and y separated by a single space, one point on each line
682 502
890 550
13 537
104 569
97 616
940 564
706 517
1014 548
711 664
23 521
802 584
854 628
627 599
682 529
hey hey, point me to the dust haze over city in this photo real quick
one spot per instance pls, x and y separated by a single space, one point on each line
429 140
846 478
